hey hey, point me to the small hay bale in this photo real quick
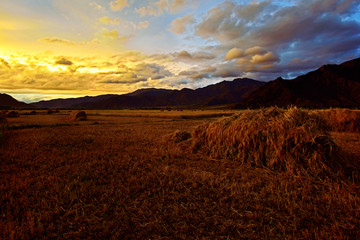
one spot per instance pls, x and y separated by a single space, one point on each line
12 114
49 112
78 116
33 113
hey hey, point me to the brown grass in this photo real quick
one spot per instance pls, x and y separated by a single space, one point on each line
342 120
118 179
3 126
178 136
292 140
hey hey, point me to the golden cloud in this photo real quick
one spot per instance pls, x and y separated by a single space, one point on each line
234 53
109 21
57 40
268 57
122 72
118 5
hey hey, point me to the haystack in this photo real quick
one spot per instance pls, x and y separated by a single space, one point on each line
78 116
12 114
292 140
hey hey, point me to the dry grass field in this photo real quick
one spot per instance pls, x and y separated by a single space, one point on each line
151 174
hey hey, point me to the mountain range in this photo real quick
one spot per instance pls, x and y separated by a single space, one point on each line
226 92
329 86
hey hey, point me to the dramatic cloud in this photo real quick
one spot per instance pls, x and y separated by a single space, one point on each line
234 53
255 51
263 35
179 25
268 57
221 24
197 56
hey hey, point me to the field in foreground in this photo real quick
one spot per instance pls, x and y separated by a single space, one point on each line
136 175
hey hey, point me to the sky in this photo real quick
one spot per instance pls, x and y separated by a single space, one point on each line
72 48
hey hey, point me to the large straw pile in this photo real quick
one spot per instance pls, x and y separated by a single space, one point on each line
292 140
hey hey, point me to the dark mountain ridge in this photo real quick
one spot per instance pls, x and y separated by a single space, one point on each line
8 102
329 86
226 92
70 102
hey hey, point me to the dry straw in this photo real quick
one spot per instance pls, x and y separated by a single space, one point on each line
342 120
292 140
3 125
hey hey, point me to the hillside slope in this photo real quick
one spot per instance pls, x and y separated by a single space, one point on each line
328 86
7 101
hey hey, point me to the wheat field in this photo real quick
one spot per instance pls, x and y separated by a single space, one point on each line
150 174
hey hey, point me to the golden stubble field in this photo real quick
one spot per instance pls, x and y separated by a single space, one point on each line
135 175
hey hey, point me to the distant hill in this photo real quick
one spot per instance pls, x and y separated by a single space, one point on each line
70 102
8 102
328 86
226 92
